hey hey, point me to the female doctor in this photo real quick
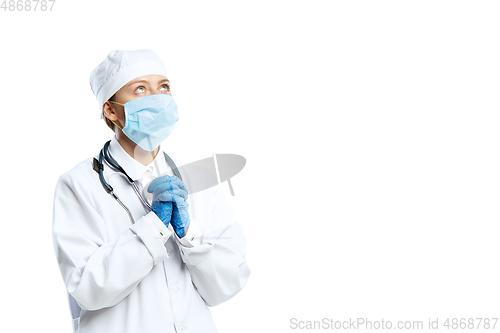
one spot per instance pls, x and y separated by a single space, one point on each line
136 251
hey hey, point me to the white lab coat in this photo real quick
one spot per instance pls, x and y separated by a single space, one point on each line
142 278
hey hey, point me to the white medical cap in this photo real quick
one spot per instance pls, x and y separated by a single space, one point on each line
121 67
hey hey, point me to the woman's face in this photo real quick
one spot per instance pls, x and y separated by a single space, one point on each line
141 86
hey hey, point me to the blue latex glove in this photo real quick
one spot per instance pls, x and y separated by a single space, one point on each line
170 189
163 188
180 216
163 209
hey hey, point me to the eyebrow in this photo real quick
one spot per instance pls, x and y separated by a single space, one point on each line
145 81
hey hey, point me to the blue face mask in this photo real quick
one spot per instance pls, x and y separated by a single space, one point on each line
149 120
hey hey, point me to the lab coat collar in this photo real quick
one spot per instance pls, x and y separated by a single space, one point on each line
133 168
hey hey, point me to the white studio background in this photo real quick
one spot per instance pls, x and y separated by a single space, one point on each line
370 128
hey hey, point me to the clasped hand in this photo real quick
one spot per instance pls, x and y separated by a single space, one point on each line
169 202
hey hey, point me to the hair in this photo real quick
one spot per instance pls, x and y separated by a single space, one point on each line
106 120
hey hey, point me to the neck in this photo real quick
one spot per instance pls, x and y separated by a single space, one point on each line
137 153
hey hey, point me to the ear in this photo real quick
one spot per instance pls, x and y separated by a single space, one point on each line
109 111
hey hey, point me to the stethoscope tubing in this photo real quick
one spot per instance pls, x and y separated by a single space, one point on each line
99 168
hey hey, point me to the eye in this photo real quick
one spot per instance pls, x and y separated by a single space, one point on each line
165 87
140 89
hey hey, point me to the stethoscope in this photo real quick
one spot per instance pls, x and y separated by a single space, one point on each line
99 167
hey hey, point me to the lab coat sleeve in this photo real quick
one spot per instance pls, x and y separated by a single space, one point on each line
192 237
99 273
218 266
